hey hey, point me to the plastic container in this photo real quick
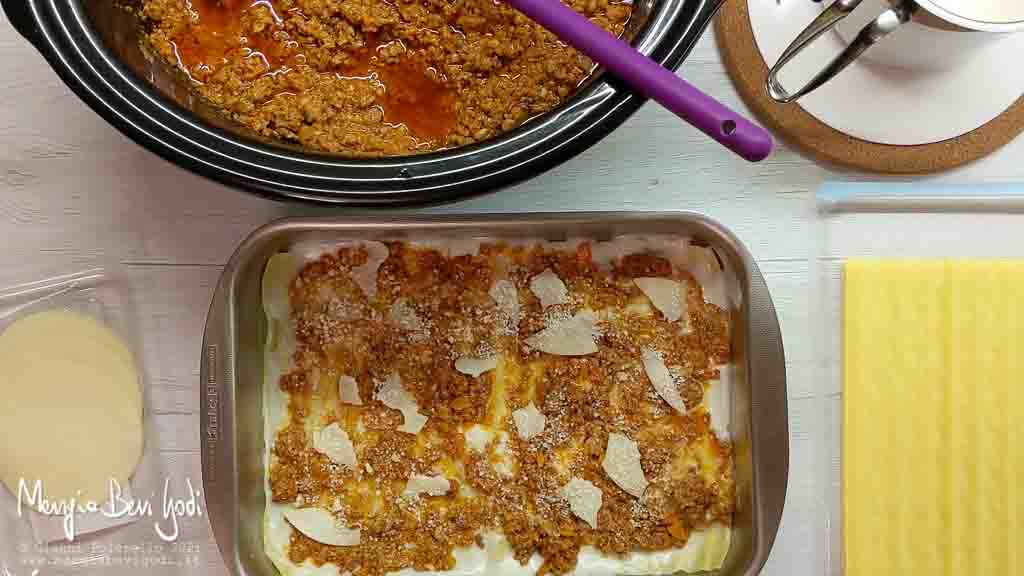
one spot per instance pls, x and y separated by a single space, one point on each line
948 224
32 543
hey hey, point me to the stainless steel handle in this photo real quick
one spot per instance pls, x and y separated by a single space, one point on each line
885 24
766 369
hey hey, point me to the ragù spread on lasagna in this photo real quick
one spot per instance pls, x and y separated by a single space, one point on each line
498 407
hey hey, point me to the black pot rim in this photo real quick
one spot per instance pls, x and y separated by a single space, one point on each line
62 32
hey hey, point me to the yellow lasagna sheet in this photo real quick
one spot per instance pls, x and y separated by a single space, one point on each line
933 417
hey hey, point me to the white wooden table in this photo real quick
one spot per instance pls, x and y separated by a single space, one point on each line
73 190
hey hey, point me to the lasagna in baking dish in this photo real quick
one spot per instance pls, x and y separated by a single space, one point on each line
498 408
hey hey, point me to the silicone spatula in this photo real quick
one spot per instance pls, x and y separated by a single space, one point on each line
650 78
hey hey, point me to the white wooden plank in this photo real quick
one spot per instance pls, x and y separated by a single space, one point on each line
789 284
177 432
799 545
73 192
172 302
74 188
65 165
197 540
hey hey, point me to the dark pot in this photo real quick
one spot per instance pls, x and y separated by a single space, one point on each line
94 47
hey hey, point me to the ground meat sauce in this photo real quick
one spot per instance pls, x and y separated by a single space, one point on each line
340 331
373 77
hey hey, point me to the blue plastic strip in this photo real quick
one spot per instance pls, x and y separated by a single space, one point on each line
880 196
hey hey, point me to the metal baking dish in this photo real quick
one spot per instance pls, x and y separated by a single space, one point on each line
233 348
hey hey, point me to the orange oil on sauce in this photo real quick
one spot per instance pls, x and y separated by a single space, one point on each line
413 96
218 35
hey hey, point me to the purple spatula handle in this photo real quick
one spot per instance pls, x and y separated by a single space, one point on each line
650 79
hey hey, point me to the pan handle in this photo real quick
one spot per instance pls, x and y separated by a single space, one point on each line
887 23
766 366
220 478
19 12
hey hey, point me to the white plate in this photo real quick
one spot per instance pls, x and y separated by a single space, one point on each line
888 97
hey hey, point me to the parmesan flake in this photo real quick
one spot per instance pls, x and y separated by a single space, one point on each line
478 437
707 271
665 294
549 289
333 442
622 464
393 395
662 380
584 500
529 421
322 526
567 337
506 297
431 485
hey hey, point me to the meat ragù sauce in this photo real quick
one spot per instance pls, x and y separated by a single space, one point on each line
506 484
373 77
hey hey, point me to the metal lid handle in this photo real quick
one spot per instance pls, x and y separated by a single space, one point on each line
885 24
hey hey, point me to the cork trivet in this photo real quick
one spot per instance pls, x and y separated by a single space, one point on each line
826 144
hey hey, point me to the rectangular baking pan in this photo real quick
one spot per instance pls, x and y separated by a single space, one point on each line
233 354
